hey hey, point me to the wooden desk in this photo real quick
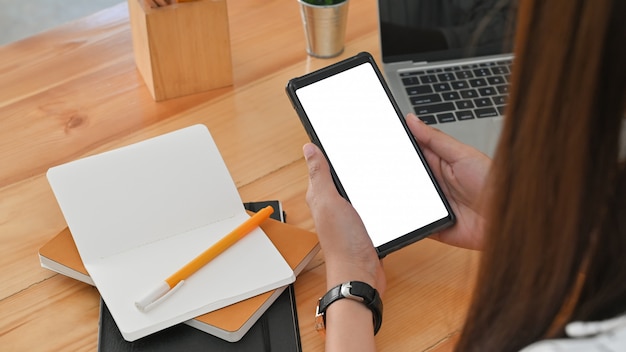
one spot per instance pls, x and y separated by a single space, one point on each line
75 91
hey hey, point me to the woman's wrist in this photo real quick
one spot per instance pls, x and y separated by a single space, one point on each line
350 327
356 292
338 272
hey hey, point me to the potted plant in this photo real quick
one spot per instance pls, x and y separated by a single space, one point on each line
324 26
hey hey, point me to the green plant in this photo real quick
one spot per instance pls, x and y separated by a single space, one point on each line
323 2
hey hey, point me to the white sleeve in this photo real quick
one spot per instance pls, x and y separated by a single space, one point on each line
606 336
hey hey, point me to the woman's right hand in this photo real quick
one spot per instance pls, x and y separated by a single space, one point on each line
461 171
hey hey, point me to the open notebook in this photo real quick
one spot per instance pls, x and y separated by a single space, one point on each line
139 213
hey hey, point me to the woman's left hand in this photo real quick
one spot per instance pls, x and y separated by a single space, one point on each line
348 250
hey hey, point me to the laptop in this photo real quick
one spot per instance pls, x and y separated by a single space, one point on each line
449 62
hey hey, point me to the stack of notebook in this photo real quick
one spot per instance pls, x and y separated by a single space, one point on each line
137 213
270 318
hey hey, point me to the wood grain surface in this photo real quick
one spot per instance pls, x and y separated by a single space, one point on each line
75 91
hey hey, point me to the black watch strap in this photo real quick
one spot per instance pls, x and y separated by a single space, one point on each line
355 290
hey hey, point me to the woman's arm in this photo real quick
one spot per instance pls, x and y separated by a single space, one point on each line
349 256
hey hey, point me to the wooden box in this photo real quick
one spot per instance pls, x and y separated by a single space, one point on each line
183 48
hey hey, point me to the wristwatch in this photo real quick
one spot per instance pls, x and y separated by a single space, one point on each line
354 290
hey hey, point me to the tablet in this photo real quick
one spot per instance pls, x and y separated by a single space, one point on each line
348 111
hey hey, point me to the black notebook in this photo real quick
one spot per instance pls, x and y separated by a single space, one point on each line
276 331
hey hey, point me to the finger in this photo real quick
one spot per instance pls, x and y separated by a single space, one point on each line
440 143
320 180
438 164
314 161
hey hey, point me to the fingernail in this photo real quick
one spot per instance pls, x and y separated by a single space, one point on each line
308 150
414 117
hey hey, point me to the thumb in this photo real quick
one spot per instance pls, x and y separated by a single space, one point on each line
320 181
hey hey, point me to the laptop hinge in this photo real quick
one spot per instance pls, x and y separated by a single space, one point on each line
402 65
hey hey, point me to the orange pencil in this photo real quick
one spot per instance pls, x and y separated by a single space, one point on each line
169 285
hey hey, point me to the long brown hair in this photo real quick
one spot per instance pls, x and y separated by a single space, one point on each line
556 240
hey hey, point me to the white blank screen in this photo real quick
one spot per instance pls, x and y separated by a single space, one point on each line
375 161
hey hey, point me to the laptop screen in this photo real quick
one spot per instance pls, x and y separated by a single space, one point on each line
434 30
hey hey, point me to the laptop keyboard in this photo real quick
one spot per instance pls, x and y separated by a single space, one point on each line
458 93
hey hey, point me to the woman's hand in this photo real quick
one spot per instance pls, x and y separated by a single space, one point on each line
461 172
348 250
349 255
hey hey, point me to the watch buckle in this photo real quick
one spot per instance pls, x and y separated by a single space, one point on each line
345 292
